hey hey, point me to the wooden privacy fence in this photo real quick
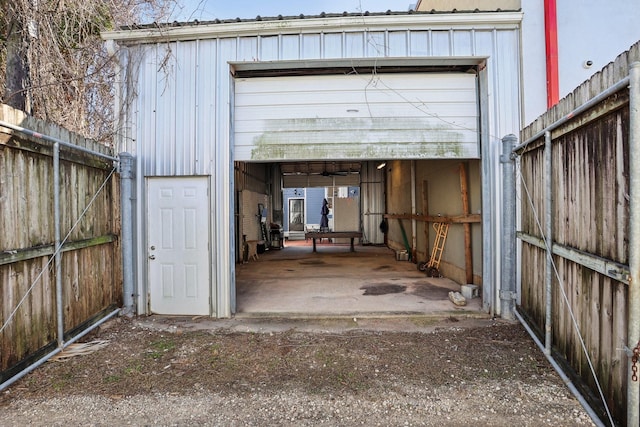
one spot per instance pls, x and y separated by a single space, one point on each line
90 263
582 213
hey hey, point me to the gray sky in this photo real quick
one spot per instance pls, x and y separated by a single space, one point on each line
206 10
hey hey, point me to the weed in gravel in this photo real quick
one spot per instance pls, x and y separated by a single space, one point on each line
64 381
351 380
214 354
224 362
135 369
112 378
163 345
160 347
325 358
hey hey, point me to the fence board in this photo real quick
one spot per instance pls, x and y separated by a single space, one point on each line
91 261
590 170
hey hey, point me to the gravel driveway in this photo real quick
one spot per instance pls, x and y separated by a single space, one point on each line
322 372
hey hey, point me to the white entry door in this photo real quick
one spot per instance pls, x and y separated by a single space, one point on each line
178 245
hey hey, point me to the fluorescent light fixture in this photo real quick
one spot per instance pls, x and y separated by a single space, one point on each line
381 165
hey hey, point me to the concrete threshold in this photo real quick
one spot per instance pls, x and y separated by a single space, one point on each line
283 322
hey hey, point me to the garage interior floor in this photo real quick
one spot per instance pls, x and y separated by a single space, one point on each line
296 282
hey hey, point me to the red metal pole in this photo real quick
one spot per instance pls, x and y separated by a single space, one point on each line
551 46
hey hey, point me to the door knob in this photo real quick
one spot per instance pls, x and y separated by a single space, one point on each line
152 257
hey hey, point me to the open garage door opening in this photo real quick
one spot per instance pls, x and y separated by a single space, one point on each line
395 206
392 154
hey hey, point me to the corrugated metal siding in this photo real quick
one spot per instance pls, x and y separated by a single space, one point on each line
373 203
181 89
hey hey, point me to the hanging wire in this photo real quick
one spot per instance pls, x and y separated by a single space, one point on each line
565 298
57 250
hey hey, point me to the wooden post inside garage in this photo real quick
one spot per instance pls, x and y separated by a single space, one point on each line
425 211
464 193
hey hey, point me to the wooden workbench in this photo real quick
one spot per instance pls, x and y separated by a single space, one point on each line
332 235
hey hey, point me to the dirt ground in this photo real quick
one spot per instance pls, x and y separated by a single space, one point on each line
347 372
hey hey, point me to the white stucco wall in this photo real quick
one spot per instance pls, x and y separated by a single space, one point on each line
588 30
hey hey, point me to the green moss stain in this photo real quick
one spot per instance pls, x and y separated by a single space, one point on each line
312 138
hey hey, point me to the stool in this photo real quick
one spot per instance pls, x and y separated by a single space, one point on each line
275 236
251 250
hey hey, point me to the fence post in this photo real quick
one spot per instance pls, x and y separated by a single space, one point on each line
126 180
508 277
548 238
633 327
58 245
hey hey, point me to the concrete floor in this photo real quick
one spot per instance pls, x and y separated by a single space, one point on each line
294 281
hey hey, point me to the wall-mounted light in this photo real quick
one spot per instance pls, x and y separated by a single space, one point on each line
381 165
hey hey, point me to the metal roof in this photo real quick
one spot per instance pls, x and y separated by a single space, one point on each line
322 15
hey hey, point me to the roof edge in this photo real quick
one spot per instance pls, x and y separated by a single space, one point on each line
329 23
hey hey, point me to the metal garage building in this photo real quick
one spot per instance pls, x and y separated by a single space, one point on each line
195 99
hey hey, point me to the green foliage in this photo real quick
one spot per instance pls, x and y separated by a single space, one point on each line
160 347
112 379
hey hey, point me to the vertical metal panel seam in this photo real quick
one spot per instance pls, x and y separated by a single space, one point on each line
407 41
172 116
140 234
387 46
156 103
488 274
368 40
493 181
196 122
178 152
473 42
258 47
496 221
452 47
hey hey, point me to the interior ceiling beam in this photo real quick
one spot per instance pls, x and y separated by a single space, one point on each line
320 167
